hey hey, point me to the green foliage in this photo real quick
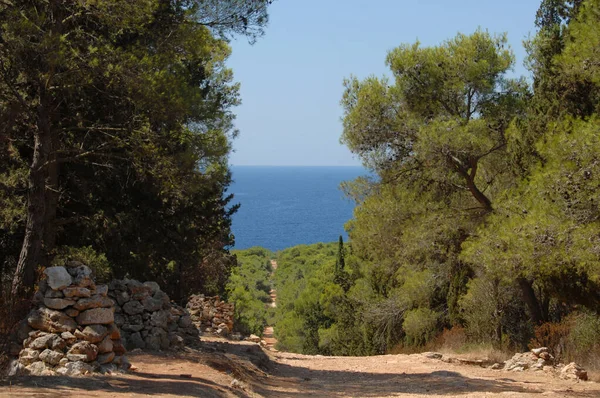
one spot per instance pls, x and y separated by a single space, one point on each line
420 326
248 288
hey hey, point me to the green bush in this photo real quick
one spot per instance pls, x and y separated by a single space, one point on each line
420 326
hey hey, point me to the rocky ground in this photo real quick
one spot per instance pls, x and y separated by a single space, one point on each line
218 368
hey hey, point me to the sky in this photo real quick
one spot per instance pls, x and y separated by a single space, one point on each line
291 78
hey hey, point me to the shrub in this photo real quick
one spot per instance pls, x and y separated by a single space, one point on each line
420 326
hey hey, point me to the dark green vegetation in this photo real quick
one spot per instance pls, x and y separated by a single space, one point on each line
248 288
484 217
115 127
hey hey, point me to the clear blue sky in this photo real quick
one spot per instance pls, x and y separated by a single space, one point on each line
291 79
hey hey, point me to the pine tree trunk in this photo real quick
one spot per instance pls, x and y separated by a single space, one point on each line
24 278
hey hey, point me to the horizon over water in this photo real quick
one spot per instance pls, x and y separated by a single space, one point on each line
285 206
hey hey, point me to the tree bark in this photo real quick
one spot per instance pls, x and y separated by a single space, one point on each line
50 223
535 310
24 278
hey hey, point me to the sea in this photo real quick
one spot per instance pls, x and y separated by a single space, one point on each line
284 206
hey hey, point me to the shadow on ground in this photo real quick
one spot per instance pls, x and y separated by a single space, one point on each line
214 364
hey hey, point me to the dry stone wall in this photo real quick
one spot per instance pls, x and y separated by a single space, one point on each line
211 315
71 331
147 317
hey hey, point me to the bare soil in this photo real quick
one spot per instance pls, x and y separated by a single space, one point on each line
218 368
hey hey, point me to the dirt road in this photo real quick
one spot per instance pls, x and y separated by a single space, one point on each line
241 369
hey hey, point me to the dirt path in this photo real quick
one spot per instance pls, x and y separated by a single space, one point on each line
269 333
243 369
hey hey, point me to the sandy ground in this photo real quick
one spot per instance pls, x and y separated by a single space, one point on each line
241 369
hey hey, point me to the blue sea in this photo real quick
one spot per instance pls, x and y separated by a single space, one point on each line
287 206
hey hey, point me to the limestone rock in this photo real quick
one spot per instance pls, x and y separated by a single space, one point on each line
47 341
39 369
133 307
57 303
100 316
92 333
51 357
53 293
68 337
28 356
57 277
50 320
538 351
84 348
151 304
121 297
573 371
106 358
114 332
106 345
75 369
153 287
77 291
96 301
72 312
118 347
102 290
160 319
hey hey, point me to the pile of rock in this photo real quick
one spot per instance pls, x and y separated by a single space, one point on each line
541 359
72 330
147 318
211 315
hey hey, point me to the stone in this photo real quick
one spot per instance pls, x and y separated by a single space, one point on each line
125 364
114 332
136 341
51 357
28 356
43 286
117 284
76 357
573 371
68 337
118 347
254 338
133 307
16 368
43 342
497 366
84 348
106 345
153 342
38 299
77 368
57 277
121 297
92 333
160 319
82 276
432 355
72 312
132 328
151 304
153 287
162 296
77 291
96 301
53 293
119 320
185 321
138 290
102 290
57 303
100 316
39 369
103 359
538 351
50 320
